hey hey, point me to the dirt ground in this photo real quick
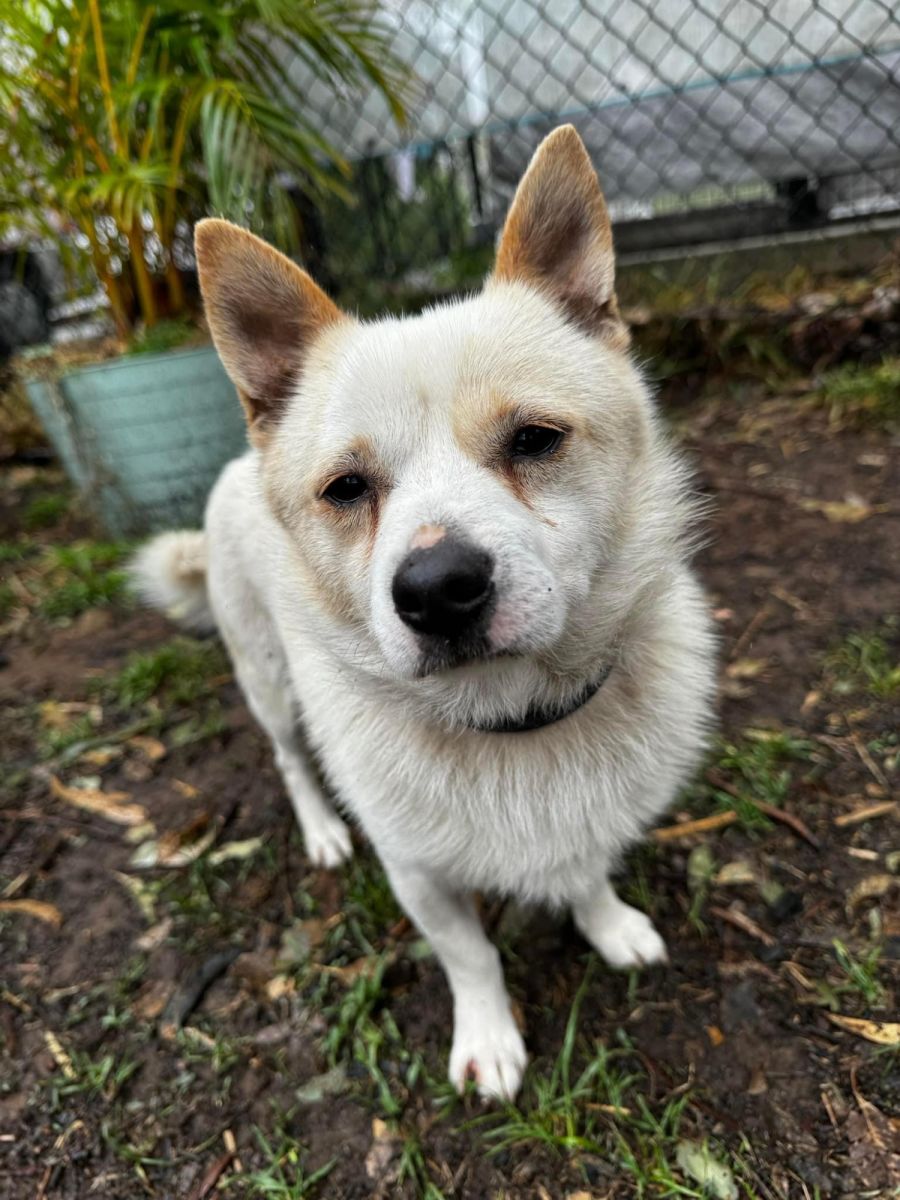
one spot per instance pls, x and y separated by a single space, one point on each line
188 1010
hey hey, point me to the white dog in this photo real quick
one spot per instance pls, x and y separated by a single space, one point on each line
457 553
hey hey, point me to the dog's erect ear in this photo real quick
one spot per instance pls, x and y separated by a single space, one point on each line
263 313
558 237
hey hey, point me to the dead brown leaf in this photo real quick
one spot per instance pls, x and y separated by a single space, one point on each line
848 511
48 913
882 1033
152 748
105 804
746 668
348 975
871 888
383 1151
99 756
61 1057
177 847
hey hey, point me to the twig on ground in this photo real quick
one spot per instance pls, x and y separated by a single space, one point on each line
760 617
671 833
740 920
799 827
211 1176
868 812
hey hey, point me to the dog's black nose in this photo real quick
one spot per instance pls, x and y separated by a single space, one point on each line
444 590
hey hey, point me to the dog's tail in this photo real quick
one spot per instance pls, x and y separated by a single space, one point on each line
169 572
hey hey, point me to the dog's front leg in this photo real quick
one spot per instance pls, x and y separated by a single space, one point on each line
487 1045
623 935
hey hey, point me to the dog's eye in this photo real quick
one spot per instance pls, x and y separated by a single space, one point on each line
535 441
346 489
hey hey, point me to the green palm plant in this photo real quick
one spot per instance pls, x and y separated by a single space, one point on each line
126 119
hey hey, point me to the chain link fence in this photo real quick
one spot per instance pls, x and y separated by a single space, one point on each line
708 123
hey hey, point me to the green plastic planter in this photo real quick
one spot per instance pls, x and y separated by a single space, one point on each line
144 437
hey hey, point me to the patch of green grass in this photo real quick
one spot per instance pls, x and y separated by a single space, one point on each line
864 395
351 1031
369 904
865 662
860 973
88 1076
180 671
15 552
413 1167
45 511
757 768
597 1109
164 335
82 576
283 1177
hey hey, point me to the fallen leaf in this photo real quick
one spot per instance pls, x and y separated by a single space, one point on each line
715 1035
150 747
140 833
348 975
152 999
734 873
280 986
848 512
177 848
56 714
105 804
697 1161
331 1083
200 1036
99 756
299 940
882 1033
62 1059
155 936
241 850
746 668
144 897
758 1084
185 789
48 913
872 887
701 866
384 1149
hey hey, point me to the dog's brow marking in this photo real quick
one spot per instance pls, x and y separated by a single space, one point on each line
427 536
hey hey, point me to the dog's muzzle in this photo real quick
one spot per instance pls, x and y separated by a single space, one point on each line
445 593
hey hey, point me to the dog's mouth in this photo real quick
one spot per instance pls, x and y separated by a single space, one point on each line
443 654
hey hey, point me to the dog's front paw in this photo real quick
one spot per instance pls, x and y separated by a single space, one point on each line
626 938
489 1050
327 840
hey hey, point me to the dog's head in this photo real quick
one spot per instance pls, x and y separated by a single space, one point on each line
459 485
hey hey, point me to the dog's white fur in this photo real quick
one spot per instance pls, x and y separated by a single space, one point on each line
590 570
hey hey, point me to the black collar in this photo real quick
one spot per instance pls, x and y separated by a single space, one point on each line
537 718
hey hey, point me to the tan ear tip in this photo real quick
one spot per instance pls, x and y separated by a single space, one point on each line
213 233
565 136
